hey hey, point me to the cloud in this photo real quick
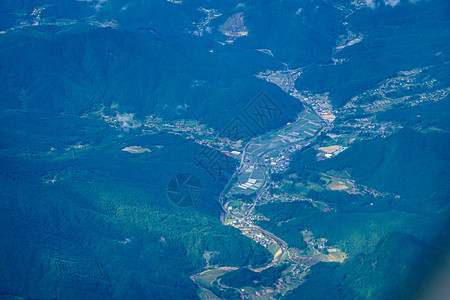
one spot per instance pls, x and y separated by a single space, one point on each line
126 121
373 3
391 2
370 3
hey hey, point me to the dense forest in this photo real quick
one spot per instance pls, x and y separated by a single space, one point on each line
81 218
98 218
387 35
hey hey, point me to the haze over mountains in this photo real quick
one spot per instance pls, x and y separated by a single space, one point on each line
103 102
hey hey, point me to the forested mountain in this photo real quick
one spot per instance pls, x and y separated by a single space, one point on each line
186 149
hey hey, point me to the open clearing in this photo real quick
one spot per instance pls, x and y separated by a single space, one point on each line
337 186
330 149
207 277
336 257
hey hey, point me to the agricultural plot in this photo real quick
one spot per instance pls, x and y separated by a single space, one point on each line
251 180
305 128
207 277
206 295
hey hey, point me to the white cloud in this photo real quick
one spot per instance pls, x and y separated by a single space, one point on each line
391 2
126 121
370 3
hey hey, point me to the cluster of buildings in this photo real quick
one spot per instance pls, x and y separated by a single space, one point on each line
316 244
251 233
388 93
368 127
313 242
321 104
280 163
175 1
432 96
202 26
249 230
199 133
269 197
259 238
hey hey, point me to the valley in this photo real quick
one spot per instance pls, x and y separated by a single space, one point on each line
171 149
251 185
